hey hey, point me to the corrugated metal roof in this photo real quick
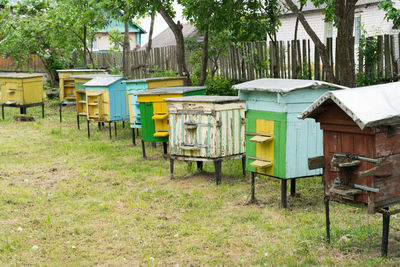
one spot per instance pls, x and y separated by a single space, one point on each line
204 98
284 86
368 106
171 90
19 75
103 81
152 79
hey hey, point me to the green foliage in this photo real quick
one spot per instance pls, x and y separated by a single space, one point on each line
392 13
158 72
368 49
219 85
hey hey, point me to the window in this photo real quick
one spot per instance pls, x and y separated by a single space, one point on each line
357 29
95 44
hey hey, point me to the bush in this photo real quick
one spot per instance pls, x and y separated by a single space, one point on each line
219 85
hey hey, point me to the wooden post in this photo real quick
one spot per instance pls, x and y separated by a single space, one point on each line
317 66
388 61
294 60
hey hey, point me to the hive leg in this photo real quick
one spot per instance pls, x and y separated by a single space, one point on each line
99 125
77 122
115 128
137 132
217 166
60 112
165 148
244 166
171 167
284 193
293 187
143 149
109 129
2 111
133 137
199 165
42 110
88 129
123 124
385 232
253 188
327 220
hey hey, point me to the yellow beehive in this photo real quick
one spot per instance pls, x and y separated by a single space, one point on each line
67 84
21 88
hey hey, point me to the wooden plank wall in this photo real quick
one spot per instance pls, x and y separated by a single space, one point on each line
251 60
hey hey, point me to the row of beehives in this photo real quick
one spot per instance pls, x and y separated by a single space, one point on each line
273 139
359 138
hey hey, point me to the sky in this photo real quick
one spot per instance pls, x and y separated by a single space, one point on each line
159 23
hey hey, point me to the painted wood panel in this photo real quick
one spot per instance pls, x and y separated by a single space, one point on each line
21 91
206 130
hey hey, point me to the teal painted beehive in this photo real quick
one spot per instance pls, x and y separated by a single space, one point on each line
278 144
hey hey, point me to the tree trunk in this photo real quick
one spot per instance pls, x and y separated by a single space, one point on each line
84 46
204 59
52 73
125 51
318 44
345 48
180 45
150 42
296 28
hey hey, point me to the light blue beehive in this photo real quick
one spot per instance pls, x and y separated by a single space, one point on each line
106 99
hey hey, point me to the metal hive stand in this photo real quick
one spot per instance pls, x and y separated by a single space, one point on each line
22 108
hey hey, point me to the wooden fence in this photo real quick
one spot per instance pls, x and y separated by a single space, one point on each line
288 59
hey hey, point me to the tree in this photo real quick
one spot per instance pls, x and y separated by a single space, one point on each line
28 29
341 12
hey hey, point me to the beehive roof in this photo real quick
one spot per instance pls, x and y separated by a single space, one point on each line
284 86
80 70
19 75
92 76
171 90
204 98
368 106
152 79
103 81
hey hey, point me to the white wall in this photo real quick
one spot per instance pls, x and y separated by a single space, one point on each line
372 19
105 44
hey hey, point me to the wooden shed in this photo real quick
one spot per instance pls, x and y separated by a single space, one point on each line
79 81
21 90
154 113
206 128
106 100
361 133
67 86
278 144
133 86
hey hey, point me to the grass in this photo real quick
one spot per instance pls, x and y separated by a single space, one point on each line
67 200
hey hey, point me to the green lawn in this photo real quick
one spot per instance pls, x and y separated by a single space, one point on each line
67 200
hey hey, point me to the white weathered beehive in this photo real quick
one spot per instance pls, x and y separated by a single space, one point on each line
206 126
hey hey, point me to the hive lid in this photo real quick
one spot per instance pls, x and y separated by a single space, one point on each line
171 90
204 98
92 76
103 81
284 86
368 106
153 79
18 75
81 70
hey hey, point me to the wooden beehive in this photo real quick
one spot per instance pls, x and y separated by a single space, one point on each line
206 126
80 92
106 99
154 113
21 88
133 86
278 144
67 86
361 135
